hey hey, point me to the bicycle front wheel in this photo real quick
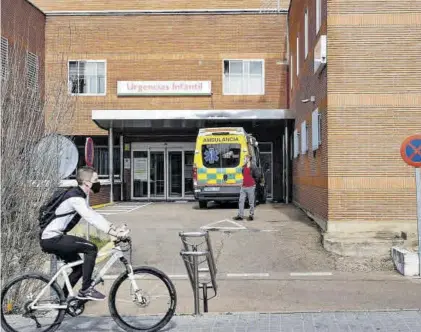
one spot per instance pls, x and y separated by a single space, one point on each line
146 303
19 293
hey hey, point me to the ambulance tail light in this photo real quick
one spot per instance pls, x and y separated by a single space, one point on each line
194 175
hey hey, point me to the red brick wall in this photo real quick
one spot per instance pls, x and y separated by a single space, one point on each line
168 48
103 196
24 27
310 171
374 93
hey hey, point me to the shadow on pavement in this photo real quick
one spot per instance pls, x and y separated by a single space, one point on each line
100 324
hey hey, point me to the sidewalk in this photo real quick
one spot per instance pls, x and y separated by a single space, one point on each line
392 321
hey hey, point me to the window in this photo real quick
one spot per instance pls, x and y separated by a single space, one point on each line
87 77
244 77
291 72
298 56
306 34
316 129
32 70
4 58
304 147
296 144
221 155
318 15
101 160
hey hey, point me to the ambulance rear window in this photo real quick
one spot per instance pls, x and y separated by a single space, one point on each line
223 155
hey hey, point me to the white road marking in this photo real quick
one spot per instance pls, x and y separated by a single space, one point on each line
140 206
310 274
213 225
114 210
110 277
119 209
145 276
127 206
179 276
235 275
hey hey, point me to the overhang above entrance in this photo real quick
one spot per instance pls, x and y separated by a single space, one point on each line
131 119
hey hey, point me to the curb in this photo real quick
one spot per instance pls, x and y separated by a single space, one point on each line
99 206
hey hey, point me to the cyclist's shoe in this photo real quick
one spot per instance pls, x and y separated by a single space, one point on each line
90 294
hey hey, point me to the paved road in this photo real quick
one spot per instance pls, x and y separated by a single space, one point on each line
258 264
280 239
399 321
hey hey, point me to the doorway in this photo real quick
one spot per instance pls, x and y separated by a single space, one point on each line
162 171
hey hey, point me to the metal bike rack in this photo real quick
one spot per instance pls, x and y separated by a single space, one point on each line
191 255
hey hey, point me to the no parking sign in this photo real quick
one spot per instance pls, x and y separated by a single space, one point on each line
411 150
411 154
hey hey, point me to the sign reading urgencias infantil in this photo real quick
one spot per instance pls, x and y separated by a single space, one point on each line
157 88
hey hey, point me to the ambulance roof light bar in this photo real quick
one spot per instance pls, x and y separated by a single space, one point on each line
221 131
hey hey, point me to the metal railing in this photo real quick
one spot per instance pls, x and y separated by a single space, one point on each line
197 251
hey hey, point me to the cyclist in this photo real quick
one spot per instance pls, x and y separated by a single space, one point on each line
54 238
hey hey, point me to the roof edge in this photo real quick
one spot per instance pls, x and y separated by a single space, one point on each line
36 7
273 11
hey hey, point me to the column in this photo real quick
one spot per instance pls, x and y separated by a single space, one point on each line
110 162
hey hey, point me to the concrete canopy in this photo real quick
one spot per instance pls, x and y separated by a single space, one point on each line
122 120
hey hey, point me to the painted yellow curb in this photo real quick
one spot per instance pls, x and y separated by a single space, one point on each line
99 206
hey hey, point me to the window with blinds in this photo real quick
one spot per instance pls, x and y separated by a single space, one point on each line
4 58
304 138
296 143
316 129
32 70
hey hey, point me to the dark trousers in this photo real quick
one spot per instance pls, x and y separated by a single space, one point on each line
68 248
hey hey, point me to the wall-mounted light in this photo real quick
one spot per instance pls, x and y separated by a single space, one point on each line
312 99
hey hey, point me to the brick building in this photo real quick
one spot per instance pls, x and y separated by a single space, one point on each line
329 100
23 39
146 78
348 173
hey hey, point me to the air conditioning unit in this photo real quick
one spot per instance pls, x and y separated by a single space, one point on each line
320 54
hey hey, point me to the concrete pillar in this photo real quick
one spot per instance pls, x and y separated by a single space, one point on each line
110 162
121 167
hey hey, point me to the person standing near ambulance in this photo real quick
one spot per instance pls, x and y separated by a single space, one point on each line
248 189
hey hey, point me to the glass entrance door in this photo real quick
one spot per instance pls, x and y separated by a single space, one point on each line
140 174
175 174
157 174
162 172
188 173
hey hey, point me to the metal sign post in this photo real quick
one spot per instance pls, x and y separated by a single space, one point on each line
411 154
89 160
418 188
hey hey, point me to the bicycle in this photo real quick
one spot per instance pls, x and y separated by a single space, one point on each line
26 305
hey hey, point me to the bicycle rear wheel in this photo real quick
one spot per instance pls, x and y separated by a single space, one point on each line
148 309
19 293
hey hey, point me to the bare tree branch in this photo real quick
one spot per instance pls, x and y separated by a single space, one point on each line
28 114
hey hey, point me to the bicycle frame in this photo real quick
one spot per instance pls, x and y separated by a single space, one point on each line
116 253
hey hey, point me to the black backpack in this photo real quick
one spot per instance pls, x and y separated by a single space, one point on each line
47 212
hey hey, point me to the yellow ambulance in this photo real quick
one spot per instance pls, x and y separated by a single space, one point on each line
218 162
